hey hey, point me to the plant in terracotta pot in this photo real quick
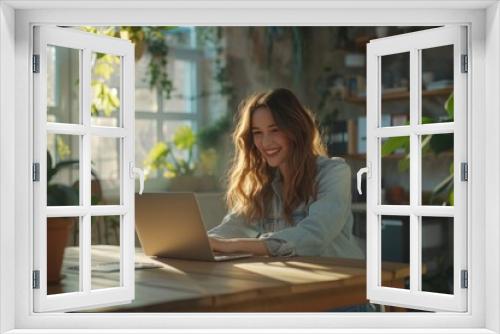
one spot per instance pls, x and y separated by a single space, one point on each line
58 228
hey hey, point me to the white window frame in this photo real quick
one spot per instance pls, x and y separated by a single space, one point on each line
414 44
483 17
86 44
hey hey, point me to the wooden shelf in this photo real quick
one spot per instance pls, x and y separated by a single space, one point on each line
402 95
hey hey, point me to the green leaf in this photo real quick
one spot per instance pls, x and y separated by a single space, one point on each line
171 167
105 100
103 70
449 106
157 156
184 138
394 143
427 120
63 150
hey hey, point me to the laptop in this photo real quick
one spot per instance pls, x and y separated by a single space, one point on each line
171 225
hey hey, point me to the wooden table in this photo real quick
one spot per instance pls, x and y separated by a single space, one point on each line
259 284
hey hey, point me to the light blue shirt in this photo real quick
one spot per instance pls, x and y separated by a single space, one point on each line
321 228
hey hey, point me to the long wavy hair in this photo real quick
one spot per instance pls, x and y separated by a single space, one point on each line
250 177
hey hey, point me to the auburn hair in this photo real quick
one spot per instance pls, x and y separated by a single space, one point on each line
249 178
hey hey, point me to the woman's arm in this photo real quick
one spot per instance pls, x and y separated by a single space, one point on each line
239 245
326 216
233 226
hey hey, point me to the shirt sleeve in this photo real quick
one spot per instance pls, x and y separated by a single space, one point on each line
326 216
234 226
278 247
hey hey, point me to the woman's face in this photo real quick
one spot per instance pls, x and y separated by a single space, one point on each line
270 140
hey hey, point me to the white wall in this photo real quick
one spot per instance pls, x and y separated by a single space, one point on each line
7 175
493 160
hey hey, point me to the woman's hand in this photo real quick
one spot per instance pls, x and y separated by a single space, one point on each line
221 245
238 245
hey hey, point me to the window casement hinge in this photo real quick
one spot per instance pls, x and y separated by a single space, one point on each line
464 171
464 279
36 172
36 63
465 65
36 279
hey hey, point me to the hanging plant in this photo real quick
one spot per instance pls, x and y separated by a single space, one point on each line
212 38
151 39
156 43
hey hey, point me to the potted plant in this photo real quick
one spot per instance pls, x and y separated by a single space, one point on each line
58 228
431 144
176 159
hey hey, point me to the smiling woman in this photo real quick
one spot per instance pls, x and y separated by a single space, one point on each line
286 198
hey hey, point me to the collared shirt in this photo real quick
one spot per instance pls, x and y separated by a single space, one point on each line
323 227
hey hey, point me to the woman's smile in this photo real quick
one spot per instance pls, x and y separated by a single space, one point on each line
272 152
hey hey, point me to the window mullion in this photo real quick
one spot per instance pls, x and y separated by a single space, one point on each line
85 236
65 129
415 225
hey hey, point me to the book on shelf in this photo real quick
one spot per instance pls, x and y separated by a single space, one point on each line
337 140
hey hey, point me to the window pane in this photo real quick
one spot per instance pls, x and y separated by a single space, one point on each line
63 164
106 85
145 138
437 169
146 98
395 171
181 98
63 255
395 82
181 37
437 84
63 85
395 233
106 160
437 254
105 237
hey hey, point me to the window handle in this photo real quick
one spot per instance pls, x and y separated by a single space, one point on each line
359 174
137 171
